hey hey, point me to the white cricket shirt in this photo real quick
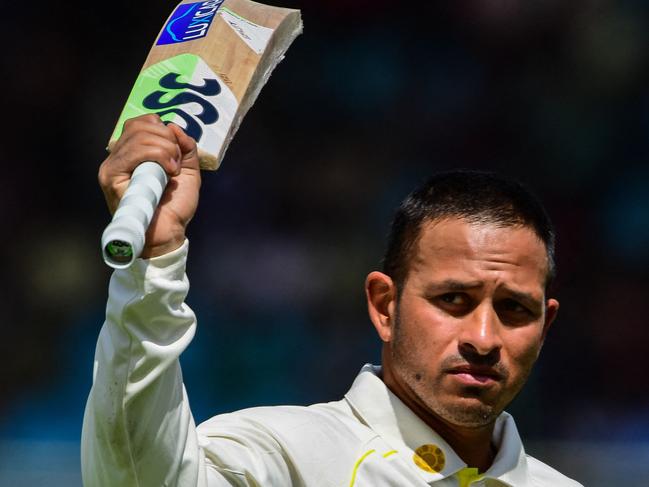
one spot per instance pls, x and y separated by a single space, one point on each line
138 429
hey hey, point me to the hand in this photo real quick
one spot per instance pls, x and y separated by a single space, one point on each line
146 138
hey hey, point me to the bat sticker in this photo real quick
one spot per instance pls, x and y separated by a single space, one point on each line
208 116
185 91
190 21
256 36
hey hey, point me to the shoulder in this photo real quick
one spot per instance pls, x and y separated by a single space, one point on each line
286 423
315 442
545 476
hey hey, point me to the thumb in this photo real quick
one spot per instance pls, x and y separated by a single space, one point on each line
187 147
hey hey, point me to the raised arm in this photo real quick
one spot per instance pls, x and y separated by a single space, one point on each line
138 429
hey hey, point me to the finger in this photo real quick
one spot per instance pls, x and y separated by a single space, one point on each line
129 153
187 145
171 147
165 153
144 124
142 147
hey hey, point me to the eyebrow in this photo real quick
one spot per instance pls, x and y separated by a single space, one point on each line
453 285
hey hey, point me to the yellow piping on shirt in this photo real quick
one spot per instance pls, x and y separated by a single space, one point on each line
358 464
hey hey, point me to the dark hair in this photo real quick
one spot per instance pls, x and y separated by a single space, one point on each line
475 196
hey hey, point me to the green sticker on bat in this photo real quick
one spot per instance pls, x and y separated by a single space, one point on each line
185 91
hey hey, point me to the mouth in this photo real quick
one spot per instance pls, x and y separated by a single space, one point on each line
475 375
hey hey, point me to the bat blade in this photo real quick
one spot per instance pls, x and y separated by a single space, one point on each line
207 66
204 71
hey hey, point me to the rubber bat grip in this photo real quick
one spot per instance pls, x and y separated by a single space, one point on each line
123 240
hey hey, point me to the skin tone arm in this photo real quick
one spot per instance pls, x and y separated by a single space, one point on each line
146 138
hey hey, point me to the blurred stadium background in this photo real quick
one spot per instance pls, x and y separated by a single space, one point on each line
372 98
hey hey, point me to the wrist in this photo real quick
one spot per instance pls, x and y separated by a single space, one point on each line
156 249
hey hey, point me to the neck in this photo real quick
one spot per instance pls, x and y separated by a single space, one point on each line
472 444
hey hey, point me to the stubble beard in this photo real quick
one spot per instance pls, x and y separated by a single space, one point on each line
468 411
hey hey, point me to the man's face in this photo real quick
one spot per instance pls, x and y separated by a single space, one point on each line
462 338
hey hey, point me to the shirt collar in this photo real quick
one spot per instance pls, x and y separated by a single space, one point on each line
391 419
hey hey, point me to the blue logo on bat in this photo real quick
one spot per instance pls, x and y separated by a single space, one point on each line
170 81
190 21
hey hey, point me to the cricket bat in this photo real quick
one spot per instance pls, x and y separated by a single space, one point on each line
204 71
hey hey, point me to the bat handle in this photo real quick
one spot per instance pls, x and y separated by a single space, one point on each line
123 239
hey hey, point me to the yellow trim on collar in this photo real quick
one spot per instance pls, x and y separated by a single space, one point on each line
467 476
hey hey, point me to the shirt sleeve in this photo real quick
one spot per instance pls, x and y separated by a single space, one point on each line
138 429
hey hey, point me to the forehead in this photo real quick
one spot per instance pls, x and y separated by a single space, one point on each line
460 249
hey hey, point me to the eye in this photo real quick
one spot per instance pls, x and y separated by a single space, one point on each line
514 306
453 298
455 304
511 311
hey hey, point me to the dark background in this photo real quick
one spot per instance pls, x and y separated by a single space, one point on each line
372 98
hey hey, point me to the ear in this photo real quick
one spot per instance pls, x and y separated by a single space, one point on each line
381 293
551 310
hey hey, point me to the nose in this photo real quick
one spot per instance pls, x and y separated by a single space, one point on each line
479 339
